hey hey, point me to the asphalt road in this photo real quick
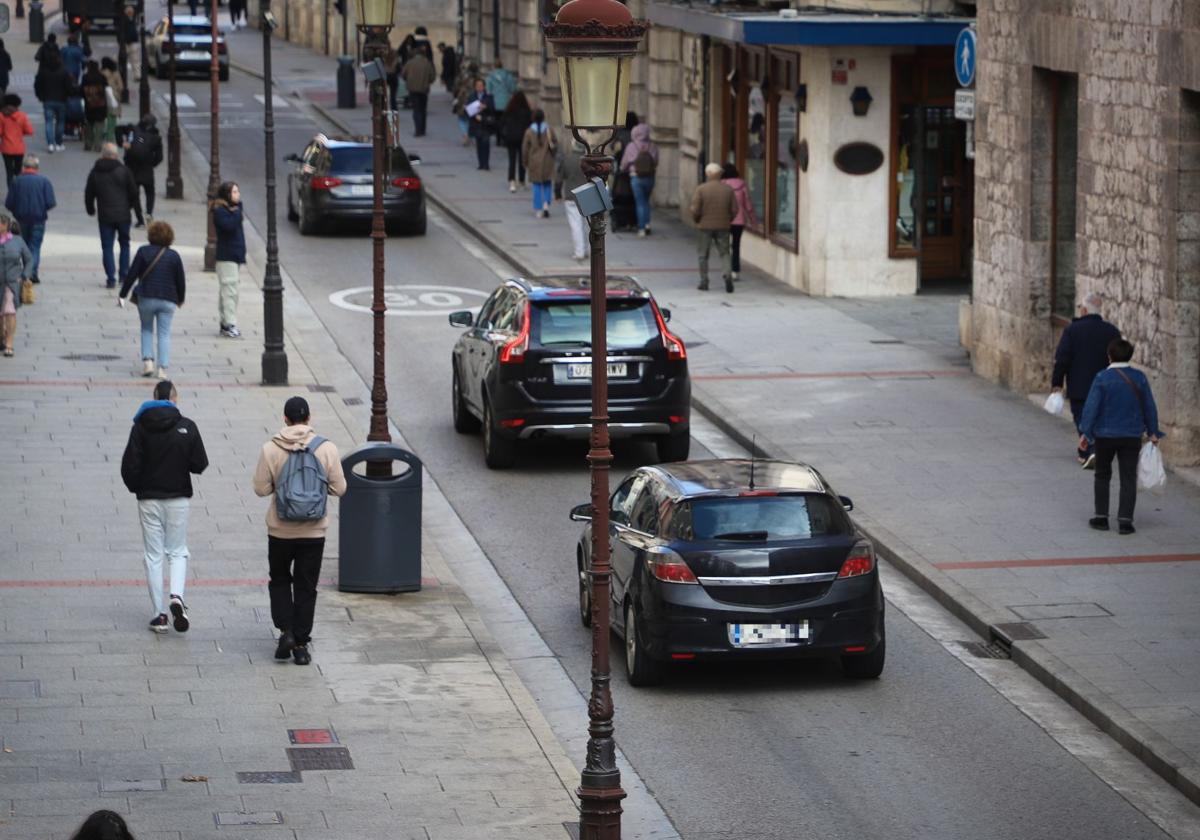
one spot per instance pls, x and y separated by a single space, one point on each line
754 753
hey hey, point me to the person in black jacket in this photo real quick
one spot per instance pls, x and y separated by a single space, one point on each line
231 254
158 272
1082 353
143 152
110 196
53 86
516 118
163 452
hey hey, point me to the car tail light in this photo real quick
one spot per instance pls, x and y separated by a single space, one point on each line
855 649
513 353
668 566
677 418
407 183
515 423
860 562
325 182
676 352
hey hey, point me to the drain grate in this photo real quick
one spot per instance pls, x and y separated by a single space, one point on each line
89 357
20 689
984 650
132 785
269 777
321 389
320 758
886 341
352 401
248 818
1017 631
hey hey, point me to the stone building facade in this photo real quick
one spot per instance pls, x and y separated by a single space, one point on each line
1088 179
316 23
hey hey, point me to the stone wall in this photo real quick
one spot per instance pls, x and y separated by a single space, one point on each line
1136 201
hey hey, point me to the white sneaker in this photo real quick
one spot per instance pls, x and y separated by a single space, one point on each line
147 367
642 232
512 186
162 373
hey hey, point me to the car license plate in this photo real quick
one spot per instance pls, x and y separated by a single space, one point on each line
617 369
362 189
193 55
753 635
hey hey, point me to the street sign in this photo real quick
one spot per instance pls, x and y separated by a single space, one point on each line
964 57
964 104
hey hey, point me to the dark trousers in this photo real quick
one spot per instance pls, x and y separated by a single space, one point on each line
1076 414
295 570
1126 451
148 189
112 270
419 103
483 148
735 247
516 169
12 167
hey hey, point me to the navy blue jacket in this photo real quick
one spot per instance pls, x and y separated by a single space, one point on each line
164 281
1116 409
30 197
231 239
1082 353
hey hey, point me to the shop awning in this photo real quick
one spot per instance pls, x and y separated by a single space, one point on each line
811 28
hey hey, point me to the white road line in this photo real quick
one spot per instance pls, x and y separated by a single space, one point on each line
469 245
276 100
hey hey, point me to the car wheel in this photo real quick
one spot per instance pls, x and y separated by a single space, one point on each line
464 421
642 669
292 215
866 666
674 447
499 452
308 225
585 593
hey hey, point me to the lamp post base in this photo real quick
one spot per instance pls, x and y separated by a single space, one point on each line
274 368
174 188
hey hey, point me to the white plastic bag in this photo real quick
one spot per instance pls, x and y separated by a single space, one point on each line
1151 475
1054 403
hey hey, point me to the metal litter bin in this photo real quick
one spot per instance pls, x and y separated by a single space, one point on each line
379 526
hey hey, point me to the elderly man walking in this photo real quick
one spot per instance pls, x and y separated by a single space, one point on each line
30 199
419 74
1082 353
713 207
111 195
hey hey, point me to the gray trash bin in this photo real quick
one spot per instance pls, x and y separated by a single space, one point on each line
379 526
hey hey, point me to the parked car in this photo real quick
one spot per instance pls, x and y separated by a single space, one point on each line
523 368
333 180
193 44
736 559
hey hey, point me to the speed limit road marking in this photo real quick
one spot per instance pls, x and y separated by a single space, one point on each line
410 299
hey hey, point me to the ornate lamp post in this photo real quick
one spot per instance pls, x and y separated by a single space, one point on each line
122 49
174 176
274 357
143 75
595 42
214 141
374 22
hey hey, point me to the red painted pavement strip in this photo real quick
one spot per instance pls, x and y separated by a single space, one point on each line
845 374
66 584
1068 561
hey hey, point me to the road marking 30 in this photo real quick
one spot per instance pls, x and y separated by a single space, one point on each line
409 299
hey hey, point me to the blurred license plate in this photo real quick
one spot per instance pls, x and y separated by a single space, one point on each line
194 55
362 189
750 635
585 371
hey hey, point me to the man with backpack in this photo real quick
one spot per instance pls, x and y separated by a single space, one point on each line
143 152
299 469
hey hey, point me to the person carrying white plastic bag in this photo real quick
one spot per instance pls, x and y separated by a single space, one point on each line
1054 403
1119 410
1152 475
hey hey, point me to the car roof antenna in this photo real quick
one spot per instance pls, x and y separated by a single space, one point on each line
753 450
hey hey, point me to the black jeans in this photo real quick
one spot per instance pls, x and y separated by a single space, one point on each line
148 189
1126 451
735 247
515 165
483 148
295 570
419 103
12 167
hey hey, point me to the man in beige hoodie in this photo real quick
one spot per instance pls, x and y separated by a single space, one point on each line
294 549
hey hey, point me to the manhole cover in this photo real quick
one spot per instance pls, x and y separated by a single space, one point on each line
248 818
352 401
269 777
89 357
321 389
1033 612
132 785
19 689
312 736
320 758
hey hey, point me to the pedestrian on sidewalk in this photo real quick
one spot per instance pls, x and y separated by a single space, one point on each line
143 152
624 212
391 74
74 58
6 67
295 546
237 14
419 74
640 162
112 75
231 254
95 106
14 128
714 208
53 85
745 215
1082 353
449 66
1119 409
516 118
570 174
463 93
538 152
163 453
161 287
15 264
103 825
129 23
48 47
111 196
30 199
501 85
481 109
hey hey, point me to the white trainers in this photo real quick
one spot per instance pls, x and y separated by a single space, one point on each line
512 186
147 367
162 373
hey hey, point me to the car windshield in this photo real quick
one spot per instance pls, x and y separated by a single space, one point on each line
760 518
631 323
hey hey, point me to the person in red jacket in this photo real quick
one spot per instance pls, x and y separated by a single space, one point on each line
14 128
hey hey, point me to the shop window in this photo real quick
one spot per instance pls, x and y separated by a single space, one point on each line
1054 161
902 235
755 167
784 78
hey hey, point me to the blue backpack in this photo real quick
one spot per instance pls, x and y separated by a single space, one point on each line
302 487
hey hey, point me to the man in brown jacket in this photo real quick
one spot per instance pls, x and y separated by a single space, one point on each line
295 548
419 75
713 207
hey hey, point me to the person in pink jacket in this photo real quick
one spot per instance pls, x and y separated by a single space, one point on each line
640 161
745 215
14 128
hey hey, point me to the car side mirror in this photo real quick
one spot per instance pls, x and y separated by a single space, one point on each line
666 313
846 503
581 513
462 319
414 159
292 158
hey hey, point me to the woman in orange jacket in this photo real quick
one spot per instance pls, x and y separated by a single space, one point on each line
14 128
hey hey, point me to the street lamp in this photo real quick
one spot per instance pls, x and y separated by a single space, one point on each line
122 49
174 176
143 75
214 139
374 22
274 357
595 42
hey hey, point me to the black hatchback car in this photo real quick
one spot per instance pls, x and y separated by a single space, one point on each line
523 368
736 559
333 181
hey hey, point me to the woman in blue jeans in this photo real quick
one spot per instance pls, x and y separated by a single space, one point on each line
640 162
158 272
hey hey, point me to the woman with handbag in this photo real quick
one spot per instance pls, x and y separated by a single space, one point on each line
15 259
157 274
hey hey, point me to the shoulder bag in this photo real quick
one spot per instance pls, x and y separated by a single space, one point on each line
132 296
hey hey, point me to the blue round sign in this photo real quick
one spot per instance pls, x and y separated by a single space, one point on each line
964 58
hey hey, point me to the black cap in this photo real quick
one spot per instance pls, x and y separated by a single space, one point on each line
296 409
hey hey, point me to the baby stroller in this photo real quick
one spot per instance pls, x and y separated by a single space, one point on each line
74 124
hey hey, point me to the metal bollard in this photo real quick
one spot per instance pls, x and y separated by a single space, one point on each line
37 23
347 97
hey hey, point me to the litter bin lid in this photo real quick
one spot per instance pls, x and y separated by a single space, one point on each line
382 452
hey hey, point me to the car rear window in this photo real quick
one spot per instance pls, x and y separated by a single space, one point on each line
759 518
631 323
192 29
353 160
